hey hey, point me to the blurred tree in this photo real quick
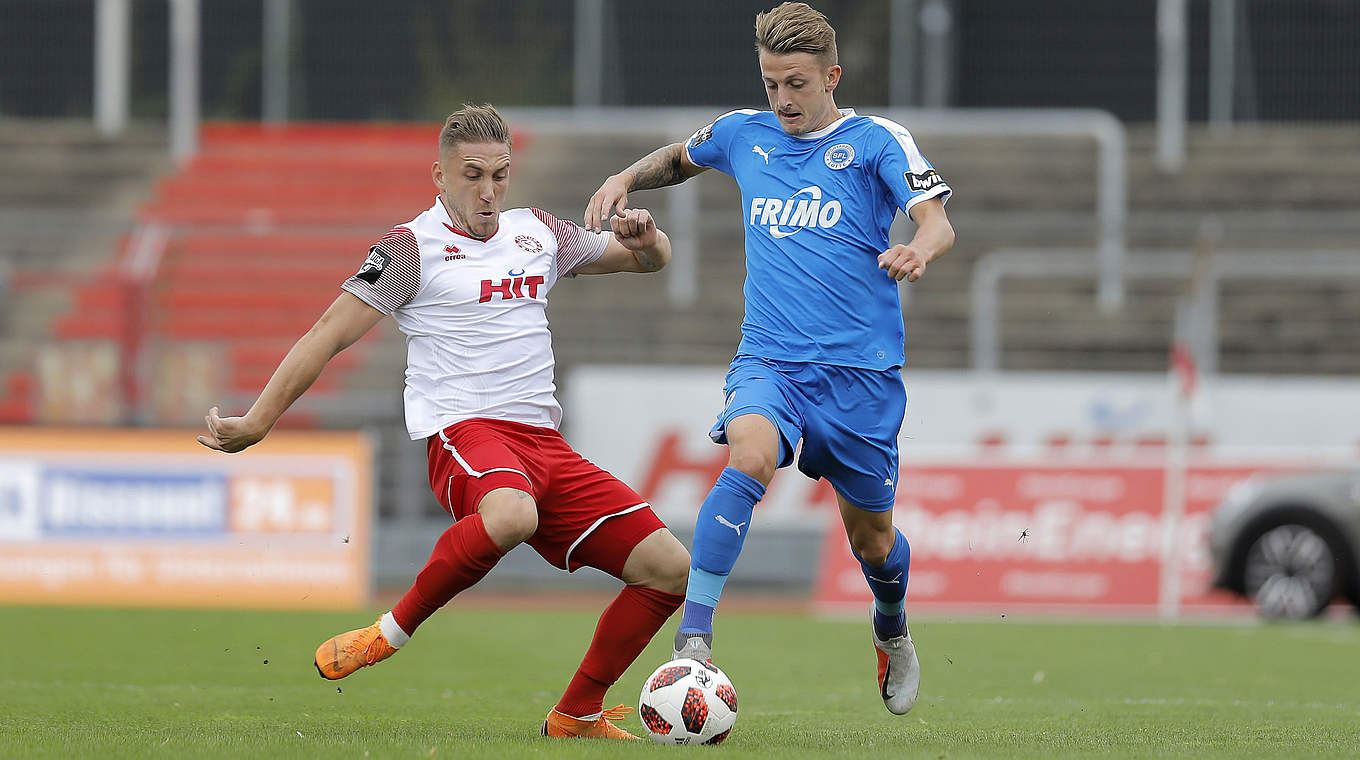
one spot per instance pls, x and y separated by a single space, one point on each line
503 53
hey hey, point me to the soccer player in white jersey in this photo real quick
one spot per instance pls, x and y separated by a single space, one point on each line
468 285
822 339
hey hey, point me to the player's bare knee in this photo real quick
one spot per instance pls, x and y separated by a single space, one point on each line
672 572
872 546
754 462
873 557
659 561
510 516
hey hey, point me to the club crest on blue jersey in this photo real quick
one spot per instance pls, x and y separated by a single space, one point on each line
840 155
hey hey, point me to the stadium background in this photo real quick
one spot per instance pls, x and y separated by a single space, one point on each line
145 276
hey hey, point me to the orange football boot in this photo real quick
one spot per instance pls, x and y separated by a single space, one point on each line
346 653
565 726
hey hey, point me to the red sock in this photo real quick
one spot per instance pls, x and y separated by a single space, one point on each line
626 626
461 557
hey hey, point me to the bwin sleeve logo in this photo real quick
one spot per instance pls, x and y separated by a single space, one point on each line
922 182
374 266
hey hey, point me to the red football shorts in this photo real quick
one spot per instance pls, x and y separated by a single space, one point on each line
585 515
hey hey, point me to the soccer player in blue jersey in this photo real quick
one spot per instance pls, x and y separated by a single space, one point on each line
822 341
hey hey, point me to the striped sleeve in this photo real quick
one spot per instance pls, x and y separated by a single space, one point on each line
390 276
576 247
907 175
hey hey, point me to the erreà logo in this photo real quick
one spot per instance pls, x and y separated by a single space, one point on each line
786 217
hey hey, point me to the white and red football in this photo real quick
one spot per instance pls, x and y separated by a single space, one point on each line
688 702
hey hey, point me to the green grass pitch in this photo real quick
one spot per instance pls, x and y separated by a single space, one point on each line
476 682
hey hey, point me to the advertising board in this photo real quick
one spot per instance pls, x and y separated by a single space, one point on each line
1016 490
151 517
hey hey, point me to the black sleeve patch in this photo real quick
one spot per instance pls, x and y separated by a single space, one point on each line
919 183
374 265
702 136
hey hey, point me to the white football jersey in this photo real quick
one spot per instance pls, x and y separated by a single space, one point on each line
474 313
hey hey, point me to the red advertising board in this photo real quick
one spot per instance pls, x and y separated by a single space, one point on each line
999 537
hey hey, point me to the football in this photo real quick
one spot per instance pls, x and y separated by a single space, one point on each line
688 702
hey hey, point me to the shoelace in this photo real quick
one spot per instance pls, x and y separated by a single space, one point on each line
616 713
360 646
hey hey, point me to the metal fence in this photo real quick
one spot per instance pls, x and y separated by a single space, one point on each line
409 59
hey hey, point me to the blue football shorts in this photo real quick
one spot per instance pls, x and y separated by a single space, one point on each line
848 419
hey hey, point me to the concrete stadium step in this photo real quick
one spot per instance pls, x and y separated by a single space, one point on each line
47 162
67 195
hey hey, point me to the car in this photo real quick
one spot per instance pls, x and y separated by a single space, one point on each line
1290 543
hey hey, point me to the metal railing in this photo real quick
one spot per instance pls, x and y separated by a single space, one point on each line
678 123
985 315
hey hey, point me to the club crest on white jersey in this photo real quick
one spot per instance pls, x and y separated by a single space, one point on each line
787 216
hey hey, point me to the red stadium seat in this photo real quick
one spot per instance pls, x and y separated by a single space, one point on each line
265 222
16 403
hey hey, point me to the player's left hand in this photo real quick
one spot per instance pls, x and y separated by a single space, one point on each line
634 228
228 434
903 261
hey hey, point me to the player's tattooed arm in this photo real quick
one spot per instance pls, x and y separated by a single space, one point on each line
650 261
662 167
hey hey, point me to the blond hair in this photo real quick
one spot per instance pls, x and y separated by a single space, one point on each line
796 28
474 124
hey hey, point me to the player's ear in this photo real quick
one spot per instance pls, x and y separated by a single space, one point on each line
833 77
437 174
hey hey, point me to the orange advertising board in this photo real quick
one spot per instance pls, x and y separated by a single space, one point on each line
150 517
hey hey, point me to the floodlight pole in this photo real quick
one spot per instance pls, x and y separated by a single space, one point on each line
184 61
588 65
112 65
1222 61
274 74
1172 64
903 21
937 53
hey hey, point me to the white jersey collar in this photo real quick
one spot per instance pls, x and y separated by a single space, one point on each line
828 129
442 214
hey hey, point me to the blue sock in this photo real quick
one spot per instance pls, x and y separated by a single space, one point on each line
723 522
889 586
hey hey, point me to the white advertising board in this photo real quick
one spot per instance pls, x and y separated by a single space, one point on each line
649 426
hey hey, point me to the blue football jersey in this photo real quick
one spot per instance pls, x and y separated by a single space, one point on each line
817 209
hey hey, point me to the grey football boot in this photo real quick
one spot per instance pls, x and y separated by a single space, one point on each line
899 672
693 646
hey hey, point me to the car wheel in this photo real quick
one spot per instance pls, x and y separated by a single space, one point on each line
1290 572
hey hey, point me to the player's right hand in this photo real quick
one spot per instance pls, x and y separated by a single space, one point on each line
610 200
228 434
